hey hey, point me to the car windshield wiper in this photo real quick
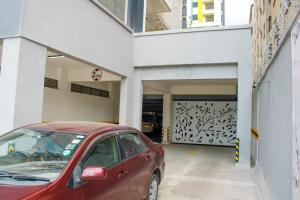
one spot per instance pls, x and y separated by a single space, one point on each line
4 174
30 178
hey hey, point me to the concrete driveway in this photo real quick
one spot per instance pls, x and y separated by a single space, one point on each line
205 173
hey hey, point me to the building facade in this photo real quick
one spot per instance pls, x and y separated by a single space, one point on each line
275 58
98 67
205 13
202 13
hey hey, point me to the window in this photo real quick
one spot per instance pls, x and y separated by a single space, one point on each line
195 17
29 147
209 6
51 83
209 18
131 144
89 91
135 15
195 4
105 153
117 7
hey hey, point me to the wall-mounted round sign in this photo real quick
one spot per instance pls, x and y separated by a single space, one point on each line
97 74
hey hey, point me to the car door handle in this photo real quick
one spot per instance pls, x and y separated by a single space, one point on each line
123 173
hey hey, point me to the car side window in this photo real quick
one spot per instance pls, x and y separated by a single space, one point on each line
105 153
130 144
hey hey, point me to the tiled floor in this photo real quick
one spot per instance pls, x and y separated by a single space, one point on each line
205 173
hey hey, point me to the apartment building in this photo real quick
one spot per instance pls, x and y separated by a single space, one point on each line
204 13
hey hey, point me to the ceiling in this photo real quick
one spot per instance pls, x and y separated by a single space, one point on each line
193 82
56 60
65 62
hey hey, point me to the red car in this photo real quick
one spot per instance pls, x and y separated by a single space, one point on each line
77 161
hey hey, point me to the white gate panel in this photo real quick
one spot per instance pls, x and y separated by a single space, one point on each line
205 122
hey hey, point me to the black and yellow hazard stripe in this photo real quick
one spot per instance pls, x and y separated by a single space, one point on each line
169 134
237 150
162 134
255 133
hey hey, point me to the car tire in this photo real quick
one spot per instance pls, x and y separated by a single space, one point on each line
153 188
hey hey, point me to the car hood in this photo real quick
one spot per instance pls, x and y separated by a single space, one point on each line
13 192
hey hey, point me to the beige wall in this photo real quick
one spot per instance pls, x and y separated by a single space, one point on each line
62 105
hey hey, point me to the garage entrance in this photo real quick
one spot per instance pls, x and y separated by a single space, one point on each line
196 112
152 117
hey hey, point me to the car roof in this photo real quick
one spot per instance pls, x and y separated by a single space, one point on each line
85 128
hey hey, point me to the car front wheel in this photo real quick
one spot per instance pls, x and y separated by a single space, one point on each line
153 188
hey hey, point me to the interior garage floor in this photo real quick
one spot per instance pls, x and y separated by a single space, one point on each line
205 173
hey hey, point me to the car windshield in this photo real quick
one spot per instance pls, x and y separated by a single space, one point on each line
28 155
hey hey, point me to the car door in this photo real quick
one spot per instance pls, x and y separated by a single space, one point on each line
139 160
103 152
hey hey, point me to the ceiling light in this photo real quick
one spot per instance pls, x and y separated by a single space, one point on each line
56 56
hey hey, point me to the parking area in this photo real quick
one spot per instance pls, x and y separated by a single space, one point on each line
195 172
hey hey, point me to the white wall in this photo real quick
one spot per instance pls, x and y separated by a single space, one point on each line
10 18
275 120
60 105
21 83
237 12
296 109
193 46
81 29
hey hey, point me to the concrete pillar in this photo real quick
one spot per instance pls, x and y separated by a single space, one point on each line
131 100
167 115
21 83
244 110
123 119
137 100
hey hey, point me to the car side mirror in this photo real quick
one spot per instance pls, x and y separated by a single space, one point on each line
94 174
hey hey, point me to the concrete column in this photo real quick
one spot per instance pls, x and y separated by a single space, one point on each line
123 119
137 100
167 115
21 83
244 111
131 100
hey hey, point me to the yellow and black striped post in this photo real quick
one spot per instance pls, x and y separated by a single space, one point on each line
255 133
162 135
237 150
169 134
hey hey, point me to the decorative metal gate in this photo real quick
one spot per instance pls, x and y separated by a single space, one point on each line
205 122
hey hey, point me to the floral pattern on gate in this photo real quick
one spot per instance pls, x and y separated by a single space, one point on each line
205 122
